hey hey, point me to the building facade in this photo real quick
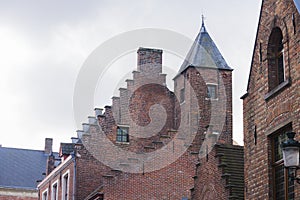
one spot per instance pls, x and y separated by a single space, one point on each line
151 142
271 104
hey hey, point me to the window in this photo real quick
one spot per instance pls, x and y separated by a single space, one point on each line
275 59
212 91
54 191
283 187
122 134
65 186
45 195
182 97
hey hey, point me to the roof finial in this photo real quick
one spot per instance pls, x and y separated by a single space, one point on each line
203 26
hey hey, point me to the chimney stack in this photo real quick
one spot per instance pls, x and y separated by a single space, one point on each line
48 145
149 60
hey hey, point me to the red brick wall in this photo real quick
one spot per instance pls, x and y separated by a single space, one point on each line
270 114
174 181
209 184
58 176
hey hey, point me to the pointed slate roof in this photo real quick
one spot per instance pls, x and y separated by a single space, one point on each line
204 53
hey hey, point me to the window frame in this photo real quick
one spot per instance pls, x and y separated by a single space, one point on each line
52 191
182 95
43 194
276 59
122 136
215 86
278 163
65 190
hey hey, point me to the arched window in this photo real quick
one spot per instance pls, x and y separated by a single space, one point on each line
275 59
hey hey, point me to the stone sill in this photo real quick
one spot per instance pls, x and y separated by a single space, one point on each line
277 90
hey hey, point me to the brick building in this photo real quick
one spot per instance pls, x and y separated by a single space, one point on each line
271 104
153 143
21 169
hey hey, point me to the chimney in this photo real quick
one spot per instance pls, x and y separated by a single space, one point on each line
50 164
149 60
48 145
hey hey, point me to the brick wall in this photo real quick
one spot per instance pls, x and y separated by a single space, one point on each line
57 176
265 112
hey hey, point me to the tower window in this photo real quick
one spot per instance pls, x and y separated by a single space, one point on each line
182 93
212 91
275 59
122 134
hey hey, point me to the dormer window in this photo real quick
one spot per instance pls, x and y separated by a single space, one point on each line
275 59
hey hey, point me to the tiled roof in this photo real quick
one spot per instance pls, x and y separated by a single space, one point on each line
21 168
204 53
232 164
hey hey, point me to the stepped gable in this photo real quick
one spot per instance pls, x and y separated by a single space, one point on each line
220 174
204 53
232 165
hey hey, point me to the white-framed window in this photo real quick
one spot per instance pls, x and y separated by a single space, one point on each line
45 195
65 185
212 91
54 190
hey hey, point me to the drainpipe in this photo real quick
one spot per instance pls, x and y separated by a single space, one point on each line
74 176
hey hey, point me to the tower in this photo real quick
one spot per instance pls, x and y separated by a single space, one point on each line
204 86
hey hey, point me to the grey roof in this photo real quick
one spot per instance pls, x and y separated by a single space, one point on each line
66 148
21 168
297 3
204 53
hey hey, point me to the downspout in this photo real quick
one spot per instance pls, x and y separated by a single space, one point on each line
74 176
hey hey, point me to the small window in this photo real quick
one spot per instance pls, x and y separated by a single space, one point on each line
182 95
54 191
65 186
45 195
275 59
212 91
122 134
283 187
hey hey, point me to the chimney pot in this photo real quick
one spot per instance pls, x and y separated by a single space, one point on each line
48 145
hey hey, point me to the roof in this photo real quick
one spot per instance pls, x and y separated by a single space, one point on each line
66 148
21 168
204 53
297 4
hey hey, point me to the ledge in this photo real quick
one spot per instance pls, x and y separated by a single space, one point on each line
277 89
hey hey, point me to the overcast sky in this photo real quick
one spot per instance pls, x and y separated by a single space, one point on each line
43 45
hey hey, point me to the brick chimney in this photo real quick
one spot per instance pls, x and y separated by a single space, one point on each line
149 60
50 163
48 145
